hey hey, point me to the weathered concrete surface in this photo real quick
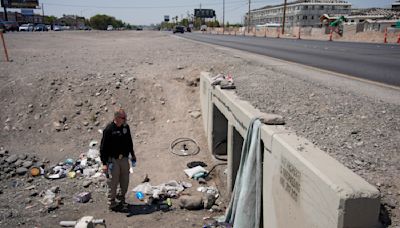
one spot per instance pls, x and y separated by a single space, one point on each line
302 185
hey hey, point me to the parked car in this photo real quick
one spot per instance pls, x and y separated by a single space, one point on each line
178 28
203 28
84 27
2 27
139 28
26 27
57 28
11 26
110 28
41 27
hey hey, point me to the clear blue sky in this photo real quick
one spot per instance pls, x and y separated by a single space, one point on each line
145 12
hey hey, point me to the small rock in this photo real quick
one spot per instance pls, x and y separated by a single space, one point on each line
191 202
22 156
87 183
85 123
55 189
27 164
18 163
21 171
57 126
78 104
13 158
152 118
8 120
180 67
195 114
272 119
34 193
37 116
216 208
30 106
28 200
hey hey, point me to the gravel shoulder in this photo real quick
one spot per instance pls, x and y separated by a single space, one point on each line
72 78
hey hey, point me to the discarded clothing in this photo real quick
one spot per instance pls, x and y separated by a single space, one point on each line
245 206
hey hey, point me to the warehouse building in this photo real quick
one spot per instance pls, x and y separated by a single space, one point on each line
303 13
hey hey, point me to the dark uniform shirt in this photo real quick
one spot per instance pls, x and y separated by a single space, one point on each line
116 141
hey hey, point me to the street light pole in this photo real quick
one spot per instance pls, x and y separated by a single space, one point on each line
223 17
248 19
5 10
284 17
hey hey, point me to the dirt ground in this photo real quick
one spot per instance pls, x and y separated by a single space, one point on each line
78 79
62 87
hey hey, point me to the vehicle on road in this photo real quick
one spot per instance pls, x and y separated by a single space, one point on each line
188 29
41 28
110 28
178 28
2 27
203 28
26 28
57 28
11 26
139 28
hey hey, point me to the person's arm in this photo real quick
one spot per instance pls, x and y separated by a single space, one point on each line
104 148
130 144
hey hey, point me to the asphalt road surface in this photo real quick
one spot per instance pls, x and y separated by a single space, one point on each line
375 62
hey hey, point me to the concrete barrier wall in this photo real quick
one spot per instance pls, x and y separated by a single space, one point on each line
302 185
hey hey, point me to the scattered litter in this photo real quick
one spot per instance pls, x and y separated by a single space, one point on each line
198 170
86 221
139 195
48 197
196 163
35 171
69 161
184 147
83 197
225 82
209 190
169 189
93 143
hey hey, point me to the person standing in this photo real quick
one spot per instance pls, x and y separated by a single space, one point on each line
116 146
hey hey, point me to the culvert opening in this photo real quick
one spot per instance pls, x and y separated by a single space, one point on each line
237 145
219 133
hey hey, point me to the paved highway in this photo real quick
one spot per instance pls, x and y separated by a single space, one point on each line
375 62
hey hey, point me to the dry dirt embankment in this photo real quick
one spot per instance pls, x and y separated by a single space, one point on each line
62 87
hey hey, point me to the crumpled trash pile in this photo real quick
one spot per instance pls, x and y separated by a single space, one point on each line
88 165
224 81
170 189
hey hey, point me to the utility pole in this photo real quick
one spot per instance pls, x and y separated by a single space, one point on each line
5 10
248 19
42 13
284 17
223 17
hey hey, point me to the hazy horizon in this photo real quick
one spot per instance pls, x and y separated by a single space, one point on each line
141 12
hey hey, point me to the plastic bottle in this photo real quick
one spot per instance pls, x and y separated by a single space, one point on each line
139 195
133 164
